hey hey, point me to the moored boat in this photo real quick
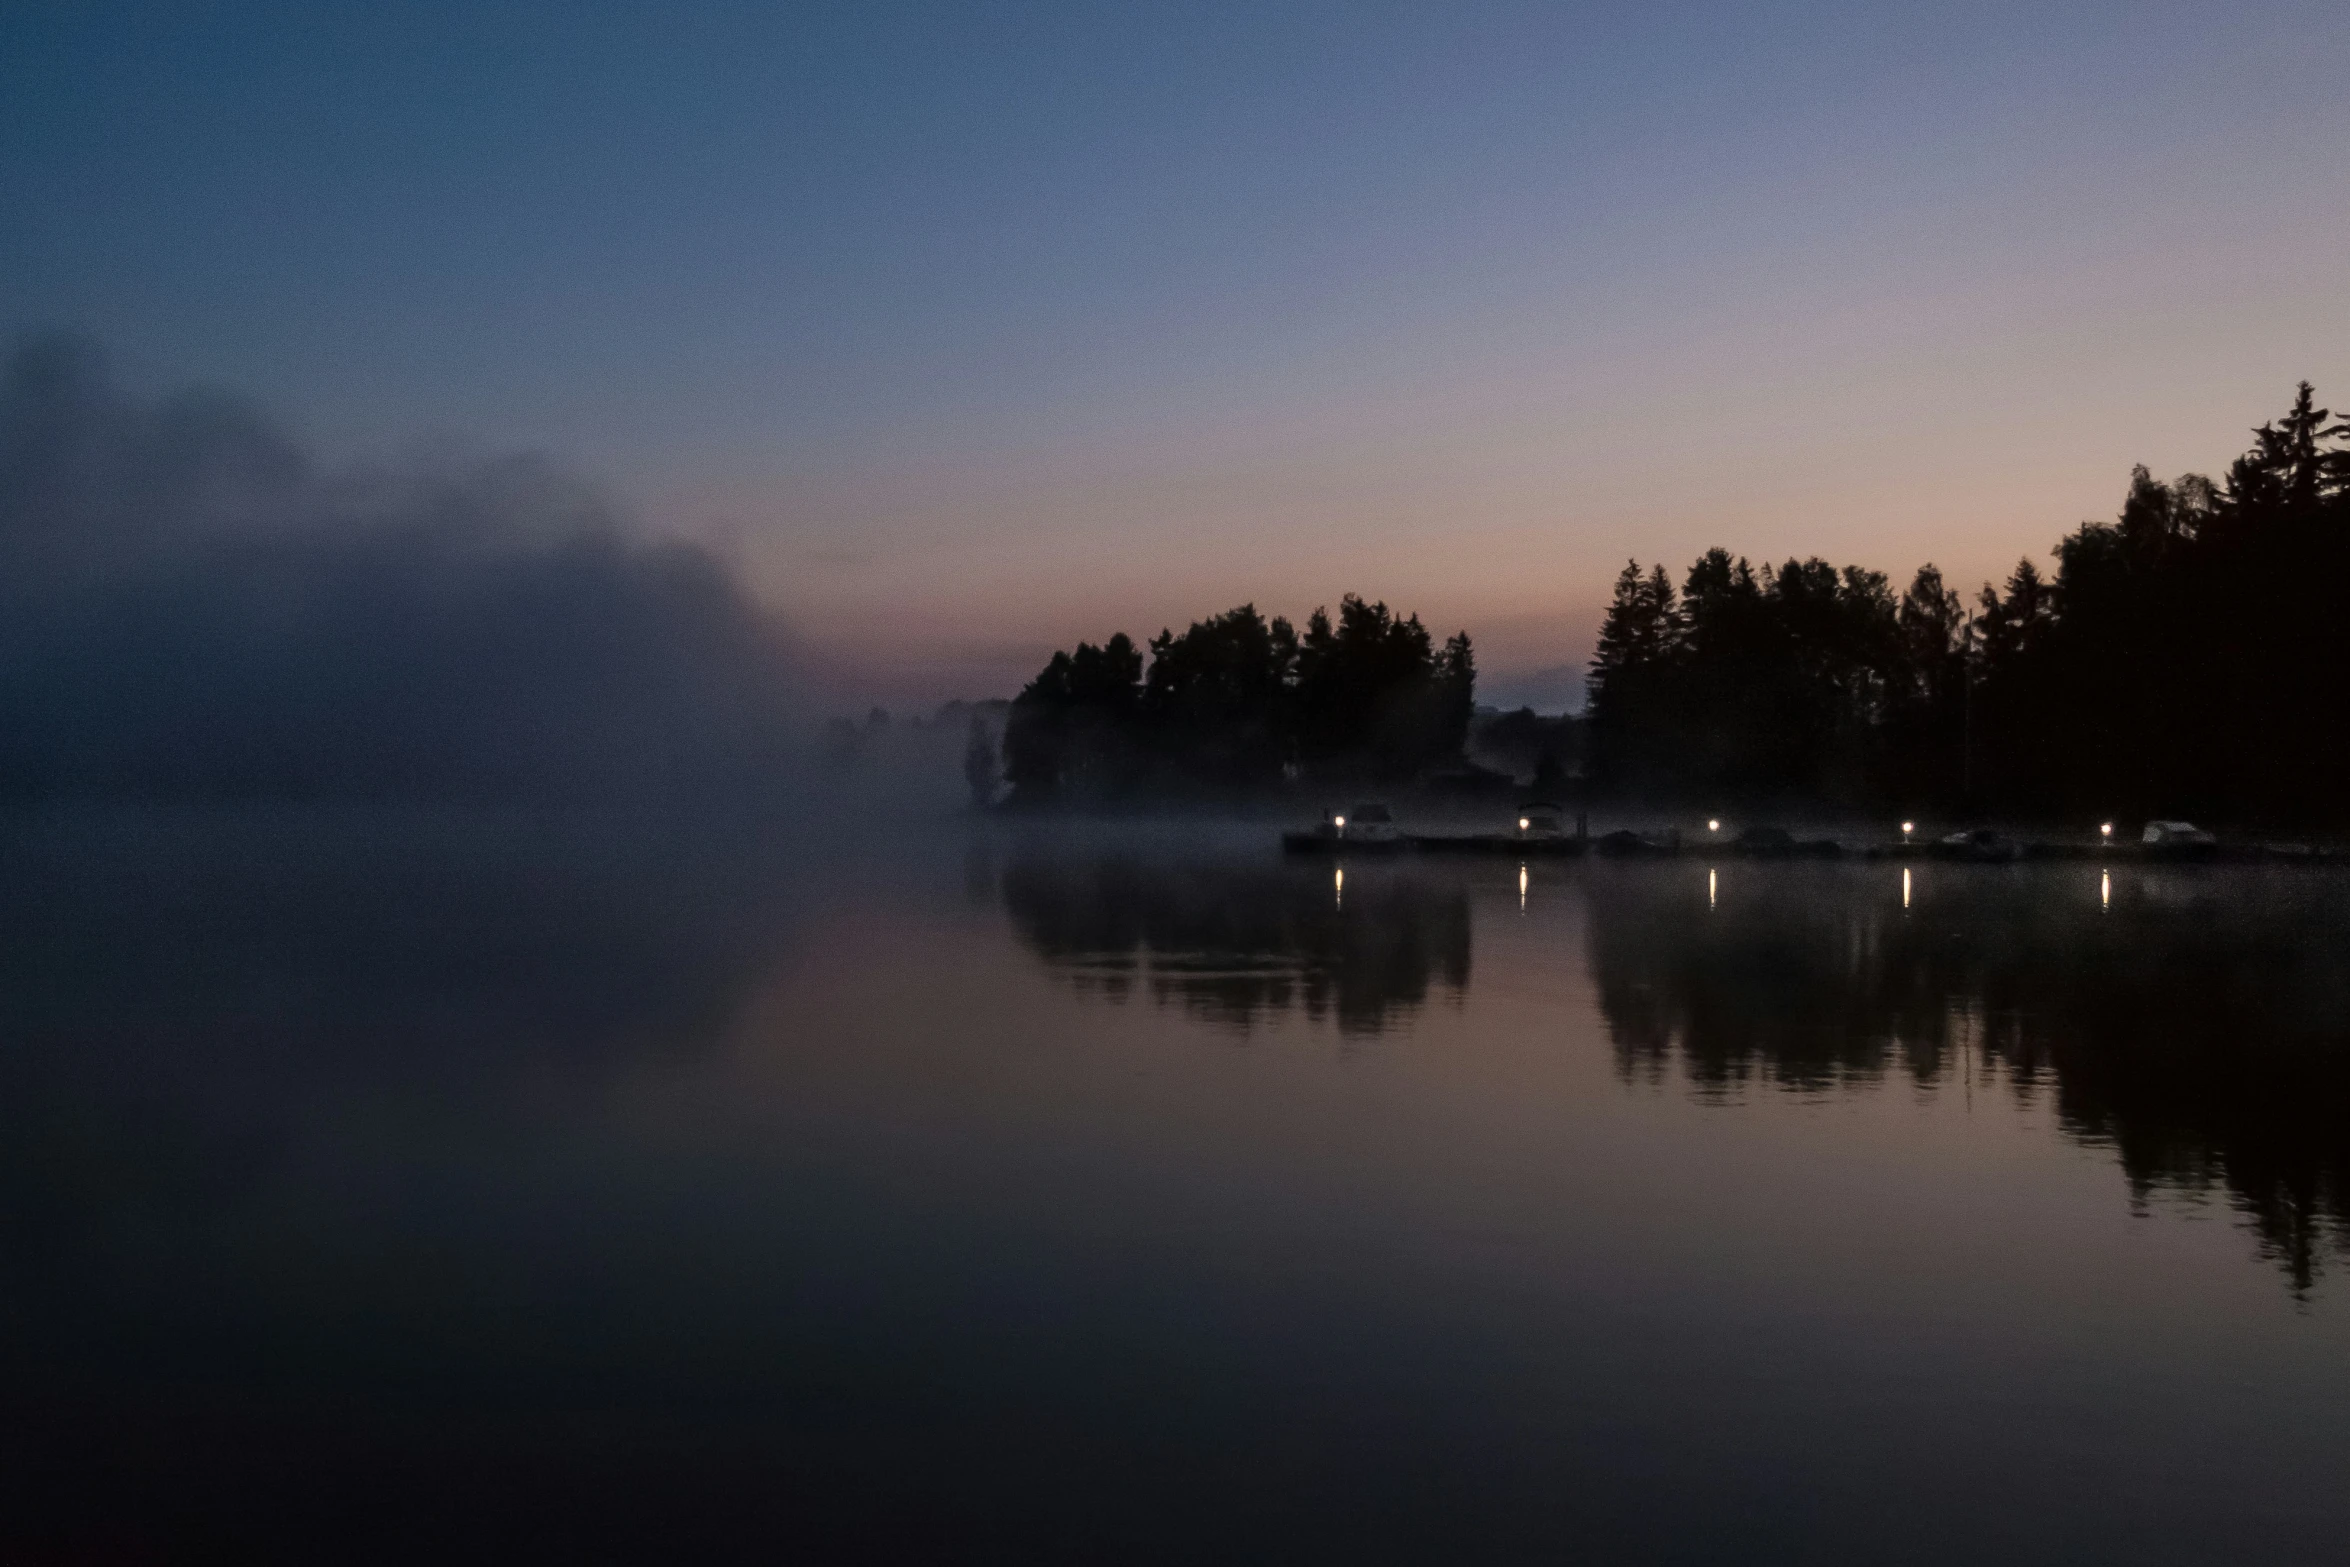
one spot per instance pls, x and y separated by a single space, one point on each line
1368 828
1540 831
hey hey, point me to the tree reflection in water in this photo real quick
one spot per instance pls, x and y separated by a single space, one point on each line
1237 944
2198 1022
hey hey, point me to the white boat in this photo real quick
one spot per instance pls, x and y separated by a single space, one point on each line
1366 826
1541 819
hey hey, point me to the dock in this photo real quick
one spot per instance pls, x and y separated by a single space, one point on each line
1671 845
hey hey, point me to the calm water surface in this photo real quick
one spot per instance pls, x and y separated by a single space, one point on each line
412 1187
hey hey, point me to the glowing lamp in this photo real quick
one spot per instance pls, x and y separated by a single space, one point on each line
2105 830
1523 824
1712 825
1338 822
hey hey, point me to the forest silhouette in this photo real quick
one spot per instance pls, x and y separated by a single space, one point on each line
1237 704
2183 659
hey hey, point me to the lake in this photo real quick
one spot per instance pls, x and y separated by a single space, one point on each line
442 1186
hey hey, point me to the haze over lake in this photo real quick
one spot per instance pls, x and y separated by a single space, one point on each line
456 1185
1230 783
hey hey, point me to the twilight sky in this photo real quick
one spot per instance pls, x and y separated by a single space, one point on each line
971 329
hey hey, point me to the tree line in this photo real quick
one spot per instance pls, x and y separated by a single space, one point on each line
1240 704
2189 657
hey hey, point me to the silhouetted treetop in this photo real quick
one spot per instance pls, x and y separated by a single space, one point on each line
2182 659
1237 703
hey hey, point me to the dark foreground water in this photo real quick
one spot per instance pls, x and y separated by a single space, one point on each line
470 1188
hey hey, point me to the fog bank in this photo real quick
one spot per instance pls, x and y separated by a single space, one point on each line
193 606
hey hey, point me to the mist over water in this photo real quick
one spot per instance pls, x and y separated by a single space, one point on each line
193 606
1028 900
476 1083
442 1181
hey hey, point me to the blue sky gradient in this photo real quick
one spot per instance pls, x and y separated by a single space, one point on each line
971 329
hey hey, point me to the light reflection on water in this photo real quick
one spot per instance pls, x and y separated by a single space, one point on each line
2201 1035
1235 943
665 1191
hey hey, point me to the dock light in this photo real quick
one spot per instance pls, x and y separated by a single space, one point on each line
2105 829
1907 828
1523 824
1713 824
1338 822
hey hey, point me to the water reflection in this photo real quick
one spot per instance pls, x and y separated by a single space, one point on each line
625 1191
183 993
2196 1022
274 1086
1235 944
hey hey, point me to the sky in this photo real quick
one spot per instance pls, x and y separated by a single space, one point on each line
967 330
